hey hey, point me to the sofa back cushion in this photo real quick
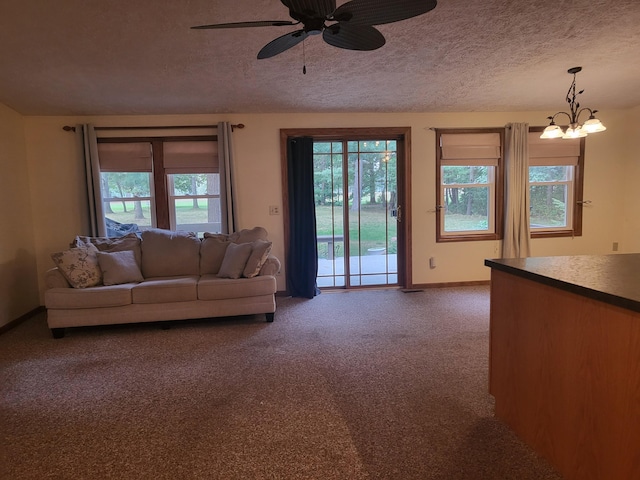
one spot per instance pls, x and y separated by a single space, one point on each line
249 235
212 250
168 254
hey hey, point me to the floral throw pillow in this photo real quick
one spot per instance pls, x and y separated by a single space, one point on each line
79 266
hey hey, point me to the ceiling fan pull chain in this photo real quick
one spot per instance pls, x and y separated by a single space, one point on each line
304 58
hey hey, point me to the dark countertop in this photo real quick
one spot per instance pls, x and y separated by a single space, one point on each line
613 279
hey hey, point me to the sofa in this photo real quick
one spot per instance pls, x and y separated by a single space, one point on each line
160 275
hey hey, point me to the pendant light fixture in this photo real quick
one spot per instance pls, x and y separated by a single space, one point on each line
574 129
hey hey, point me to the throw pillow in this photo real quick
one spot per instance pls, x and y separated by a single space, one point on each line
79 266
113 244
119 267
235 259
260 250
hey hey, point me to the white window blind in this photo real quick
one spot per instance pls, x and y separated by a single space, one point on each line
190 157
125 157
470 149
553 151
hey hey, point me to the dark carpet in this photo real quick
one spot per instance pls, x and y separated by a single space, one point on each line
374 384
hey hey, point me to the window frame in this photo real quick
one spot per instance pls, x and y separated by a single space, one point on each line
496 201
574 226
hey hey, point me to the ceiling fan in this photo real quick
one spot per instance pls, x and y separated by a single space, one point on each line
353 28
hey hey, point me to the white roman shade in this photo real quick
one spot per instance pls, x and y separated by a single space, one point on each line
125 157
545 152
474 149
190 157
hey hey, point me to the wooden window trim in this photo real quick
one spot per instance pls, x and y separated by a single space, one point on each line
578 193
159 187
498 188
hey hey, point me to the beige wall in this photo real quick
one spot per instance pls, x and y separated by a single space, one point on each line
18 272
631 238
56 175
56 181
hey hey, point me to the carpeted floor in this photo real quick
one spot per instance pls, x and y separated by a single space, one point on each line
375 384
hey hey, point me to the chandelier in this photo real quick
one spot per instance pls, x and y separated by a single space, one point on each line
574 129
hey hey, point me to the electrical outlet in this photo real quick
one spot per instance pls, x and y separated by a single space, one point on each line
274 210
615 246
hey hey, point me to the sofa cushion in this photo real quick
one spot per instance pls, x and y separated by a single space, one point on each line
169 254
113 244
260 250
166 290
92 297
79 266
212 287
119 267
249 235
235 259
212 250
271 266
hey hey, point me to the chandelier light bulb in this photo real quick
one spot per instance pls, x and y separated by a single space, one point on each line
552 131
574 131
593 125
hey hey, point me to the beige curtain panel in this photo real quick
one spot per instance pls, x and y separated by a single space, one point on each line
516 243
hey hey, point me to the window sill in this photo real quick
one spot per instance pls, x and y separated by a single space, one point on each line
468 237
556 233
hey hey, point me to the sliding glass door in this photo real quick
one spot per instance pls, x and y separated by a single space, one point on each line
357 212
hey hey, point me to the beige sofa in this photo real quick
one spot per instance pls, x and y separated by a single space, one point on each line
159 276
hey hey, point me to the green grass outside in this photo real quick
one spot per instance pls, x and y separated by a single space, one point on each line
455 222
376 229
185 213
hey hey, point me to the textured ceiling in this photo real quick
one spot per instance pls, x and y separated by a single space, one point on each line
90 57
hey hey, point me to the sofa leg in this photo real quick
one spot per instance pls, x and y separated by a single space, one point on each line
269 316
57 332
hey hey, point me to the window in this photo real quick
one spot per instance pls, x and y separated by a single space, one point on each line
470 184
555 185
170 183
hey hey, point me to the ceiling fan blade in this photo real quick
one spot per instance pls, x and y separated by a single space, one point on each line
262 23
315 8
281 44
378 12
353 37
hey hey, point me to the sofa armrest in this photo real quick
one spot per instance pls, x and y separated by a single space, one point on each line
271 266
53 278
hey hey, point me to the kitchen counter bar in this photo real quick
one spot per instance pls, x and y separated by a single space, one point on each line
614 279
564 360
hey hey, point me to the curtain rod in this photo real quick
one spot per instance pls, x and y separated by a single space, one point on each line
67 128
